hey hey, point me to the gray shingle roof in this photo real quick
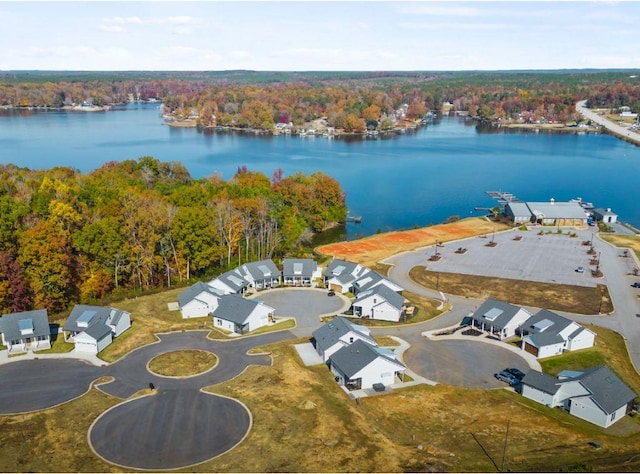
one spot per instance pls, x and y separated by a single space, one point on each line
557 210
545 326
330 333
261 269
10 326
98 331
233 280
235 308
543 382
520 209
368 280
492 307
98 325
607 390
194 290
394 299
353 358
298 267
340 267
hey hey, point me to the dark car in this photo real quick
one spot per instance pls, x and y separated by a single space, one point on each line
636 284
505 376
331 292
517 373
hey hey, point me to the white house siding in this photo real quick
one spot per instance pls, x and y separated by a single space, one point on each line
378 371
550 350
221 286
519 318
583 340
585 408
195 309
224 324
123 324
85 343
385 312
539 396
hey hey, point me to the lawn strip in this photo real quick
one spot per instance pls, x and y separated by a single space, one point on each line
183 363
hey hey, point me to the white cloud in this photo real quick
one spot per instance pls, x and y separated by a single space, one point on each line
119 20
111 28
453 27
440 10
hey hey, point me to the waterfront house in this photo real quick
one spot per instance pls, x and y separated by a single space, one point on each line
596 395
27 330
231 282
605 215
361 366
199 300
547 334
261 275
379 302
92 328
341 274
240 315
299 271
499 318
336 334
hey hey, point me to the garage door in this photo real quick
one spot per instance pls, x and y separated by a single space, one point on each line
86 347
531 349
336 287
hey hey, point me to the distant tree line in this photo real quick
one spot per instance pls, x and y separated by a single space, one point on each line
349 101
68 237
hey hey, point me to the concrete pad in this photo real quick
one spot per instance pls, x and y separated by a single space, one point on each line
173 306
308 354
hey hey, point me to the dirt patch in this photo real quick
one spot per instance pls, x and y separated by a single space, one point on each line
371 250
553 296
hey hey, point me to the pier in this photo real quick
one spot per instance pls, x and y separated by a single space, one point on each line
355 219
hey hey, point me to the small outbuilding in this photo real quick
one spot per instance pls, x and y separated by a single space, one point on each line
26 330
605 215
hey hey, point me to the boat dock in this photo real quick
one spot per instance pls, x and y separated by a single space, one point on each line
355 219
502 197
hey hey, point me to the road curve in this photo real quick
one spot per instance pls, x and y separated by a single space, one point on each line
609 125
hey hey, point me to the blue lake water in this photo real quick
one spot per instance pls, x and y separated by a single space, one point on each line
409 180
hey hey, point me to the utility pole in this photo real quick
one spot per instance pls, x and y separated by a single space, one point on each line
504 450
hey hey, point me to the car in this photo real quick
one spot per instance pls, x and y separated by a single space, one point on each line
580 269
505 376
517 373
331 292
636 284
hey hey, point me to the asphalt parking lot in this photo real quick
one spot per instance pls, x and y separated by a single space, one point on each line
550 257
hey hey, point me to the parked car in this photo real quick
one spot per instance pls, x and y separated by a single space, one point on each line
580 269
331 292
505 376
636 284
517 373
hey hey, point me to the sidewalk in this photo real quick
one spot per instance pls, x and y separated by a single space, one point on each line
89 358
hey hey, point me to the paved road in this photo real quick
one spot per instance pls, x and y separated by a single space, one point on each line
613 127
168 430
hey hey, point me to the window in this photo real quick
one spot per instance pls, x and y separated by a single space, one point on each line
351 340
613 416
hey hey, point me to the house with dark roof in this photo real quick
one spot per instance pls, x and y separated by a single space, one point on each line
231 282
499 318
92 328
240 315
596 395
199 300
261 275
340 275
299 271
338 333
27 330
361 365
379 302
372 279
605 215
547 334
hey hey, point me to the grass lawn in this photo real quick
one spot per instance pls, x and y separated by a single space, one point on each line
303 422
626 241
279 326
182 363
58 346
425 309
554 296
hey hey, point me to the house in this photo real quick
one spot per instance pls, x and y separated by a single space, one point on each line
92 328
299 271
379 302
596 395
547 334
372 279
361 365
605 215
27 330
199 300
261 275
231 282
341 274
518 212
499 317
240 315
336 334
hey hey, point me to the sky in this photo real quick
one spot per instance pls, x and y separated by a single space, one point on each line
318 36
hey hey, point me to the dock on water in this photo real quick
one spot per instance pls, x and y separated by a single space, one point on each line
355 219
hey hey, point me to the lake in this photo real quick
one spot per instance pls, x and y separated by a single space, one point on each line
414 179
